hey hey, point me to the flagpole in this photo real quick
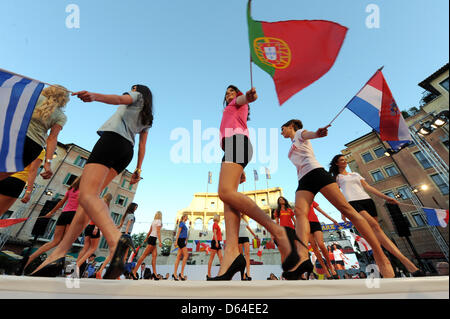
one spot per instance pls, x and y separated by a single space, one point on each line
28 78
251 69
355 95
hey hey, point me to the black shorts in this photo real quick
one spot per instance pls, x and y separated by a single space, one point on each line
243 240
11 187
113 151
238 149
88 232
151 240
365 204
31 151
340 262
65 218
315 226
181 242
315 180
215 246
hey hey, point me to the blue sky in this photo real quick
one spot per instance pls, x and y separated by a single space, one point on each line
187 52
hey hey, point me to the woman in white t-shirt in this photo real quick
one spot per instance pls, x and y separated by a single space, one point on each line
313 178
244 244
355 188
153 234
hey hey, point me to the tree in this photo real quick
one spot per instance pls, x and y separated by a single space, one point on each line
138 239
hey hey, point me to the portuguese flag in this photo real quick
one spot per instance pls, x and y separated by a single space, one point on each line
295 53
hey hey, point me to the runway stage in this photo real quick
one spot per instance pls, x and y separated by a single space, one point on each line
13 287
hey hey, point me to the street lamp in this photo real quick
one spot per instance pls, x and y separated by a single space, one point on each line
426 128
441 119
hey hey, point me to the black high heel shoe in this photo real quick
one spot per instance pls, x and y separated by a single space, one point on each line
133 276
154 277
238 264
297 273
54 269
174 278
418 273
293 258
117 265
181 277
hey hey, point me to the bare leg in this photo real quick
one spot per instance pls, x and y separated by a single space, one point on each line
333 194
318 237
247 258
387 243
154 256
210 261
303 201
235 202
4 175
146 252
185 258
83 252
316 251
177 261
59 233
5 203
81 218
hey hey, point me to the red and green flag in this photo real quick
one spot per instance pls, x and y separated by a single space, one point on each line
295 53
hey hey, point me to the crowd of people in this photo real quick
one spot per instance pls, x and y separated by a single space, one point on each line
293 229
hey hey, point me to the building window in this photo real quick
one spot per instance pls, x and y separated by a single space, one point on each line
121 200
422 160
390 194
116 218
104 191
367 157
418 219
50 229
437 179
80 161
70 178
379 151
103 244
377 175
444 84
213 205
391 170
404 192
444 140
7 214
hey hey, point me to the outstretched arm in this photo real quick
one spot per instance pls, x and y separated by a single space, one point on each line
326 215
58 206
321 132
376 192
113 99
34 166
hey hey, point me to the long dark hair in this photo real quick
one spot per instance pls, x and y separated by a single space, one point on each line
147 111
286 204
334 169
298 125
130 210
238 93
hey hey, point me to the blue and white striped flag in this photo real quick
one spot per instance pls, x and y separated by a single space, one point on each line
255 174
18 97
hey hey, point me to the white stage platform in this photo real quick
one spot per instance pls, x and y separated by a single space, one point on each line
14 287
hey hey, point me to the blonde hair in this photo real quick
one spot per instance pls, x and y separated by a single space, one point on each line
56 96
216 217
107 198
158 215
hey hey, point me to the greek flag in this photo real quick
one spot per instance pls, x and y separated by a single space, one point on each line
18 97
255 174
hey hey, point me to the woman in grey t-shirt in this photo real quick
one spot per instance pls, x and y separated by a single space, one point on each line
110 156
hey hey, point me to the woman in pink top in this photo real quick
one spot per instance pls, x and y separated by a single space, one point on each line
64 220
238 153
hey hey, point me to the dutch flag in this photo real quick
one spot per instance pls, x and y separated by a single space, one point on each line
375 105
436 217
18 97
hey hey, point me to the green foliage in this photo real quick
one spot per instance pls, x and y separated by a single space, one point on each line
138 239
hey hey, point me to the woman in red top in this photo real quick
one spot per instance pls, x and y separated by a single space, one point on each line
215 244
316 240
